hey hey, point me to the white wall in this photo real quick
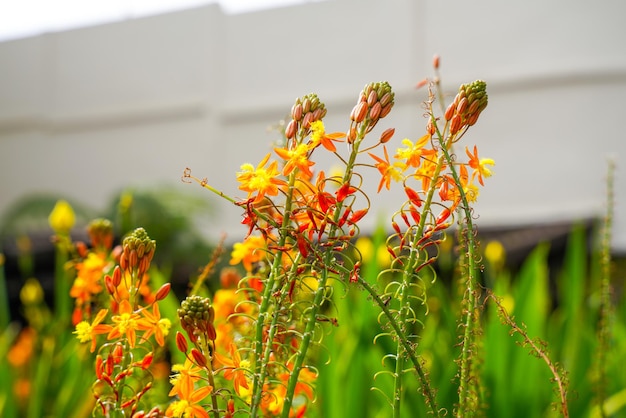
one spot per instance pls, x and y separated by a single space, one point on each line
87 112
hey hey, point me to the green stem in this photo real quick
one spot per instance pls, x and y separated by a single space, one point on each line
5 314
62 299
406 344
471 311
411 264
260 367
209 369
318 297
605 293
271 333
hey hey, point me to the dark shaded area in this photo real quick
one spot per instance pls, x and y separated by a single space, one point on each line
517 241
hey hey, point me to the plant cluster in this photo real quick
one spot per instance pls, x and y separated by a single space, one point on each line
261 344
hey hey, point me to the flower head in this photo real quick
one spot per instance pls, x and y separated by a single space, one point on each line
388 170
297 157
248 252
234 368
479 165
126 323
86 332
320 137
62 217
413 153
260 180
152 323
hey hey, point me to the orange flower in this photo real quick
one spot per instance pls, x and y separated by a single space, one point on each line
248 252
479 165
387 170
234 368
126 323
183 381
413 153
426 171
260 180
22 350
87 332
319 136
152 323
296 158
188 405
87 282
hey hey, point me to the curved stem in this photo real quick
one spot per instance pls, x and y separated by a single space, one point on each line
426 389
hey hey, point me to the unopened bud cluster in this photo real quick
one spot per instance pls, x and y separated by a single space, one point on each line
375 102
137 252
305 110
100 233
196 317
469 102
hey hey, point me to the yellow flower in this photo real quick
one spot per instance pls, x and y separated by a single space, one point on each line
320 137
413 153
126 323
260 180
495 254
62 217
251 251
86 332
296 158
32 292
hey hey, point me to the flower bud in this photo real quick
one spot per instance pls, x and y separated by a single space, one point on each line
455 124
198 357
375 111
296 111
181 342
386 135
460 108
196 316
292 127
385 110
359 112
163 292
372 98
306 122
108 283
386 99
81 249
100 233
62 217
450 111
117 276
351 137
134 243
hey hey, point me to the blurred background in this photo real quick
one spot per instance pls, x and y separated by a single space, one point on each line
104 104
135 95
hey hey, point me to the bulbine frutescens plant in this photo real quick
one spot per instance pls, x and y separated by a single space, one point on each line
301 224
